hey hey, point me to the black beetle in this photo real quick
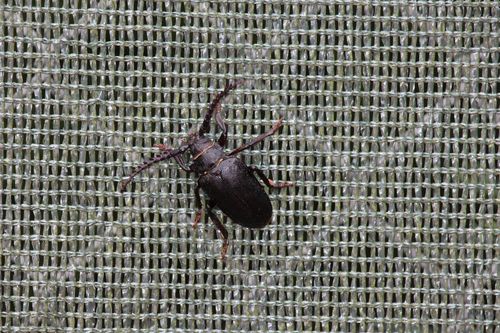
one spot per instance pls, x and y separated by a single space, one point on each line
228 182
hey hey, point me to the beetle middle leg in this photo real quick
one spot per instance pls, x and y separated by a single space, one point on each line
269 182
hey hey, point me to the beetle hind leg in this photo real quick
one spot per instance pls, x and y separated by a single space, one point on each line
269 182
223 231
221 228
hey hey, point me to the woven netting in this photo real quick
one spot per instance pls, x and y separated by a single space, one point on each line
391 137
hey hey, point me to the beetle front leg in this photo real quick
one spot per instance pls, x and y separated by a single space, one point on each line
178 158
269 182
259 138
222 229
222 125
215 107
222 141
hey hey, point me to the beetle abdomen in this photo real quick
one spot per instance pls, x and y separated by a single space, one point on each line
237 193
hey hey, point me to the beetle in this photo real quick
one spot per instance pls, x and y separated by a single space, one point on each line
228 182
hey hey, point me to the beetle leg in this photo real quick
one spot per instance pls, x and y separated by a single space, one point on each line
177 158
222 125
199 207
221 228
215 106
258 139
269 182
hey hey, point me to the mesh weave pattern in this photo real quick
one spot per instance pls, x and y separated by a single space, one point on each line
391 137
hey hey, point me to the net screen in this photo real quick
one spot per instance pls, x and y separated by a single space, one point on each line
390 136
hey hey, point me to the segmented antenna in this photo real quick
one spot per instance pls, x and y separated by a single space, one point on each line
148 163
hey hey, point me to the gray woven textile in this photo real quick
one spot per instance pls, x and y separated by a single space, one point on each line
391 136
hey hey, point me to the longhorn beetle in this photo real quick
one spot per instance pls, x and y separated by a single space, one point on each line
229 183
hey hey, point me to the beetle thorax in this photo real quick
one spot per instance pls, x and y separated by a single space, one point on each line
206 154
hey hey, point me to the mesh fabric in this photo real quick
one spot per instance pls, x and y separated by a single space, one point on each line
391 136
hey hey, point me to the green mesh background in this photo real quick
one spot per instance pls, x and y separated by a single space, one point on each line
391 136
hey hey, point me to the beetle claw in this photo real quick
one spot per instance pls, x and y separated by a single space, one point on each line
224 250
162 147
278 124
197 219
123 185
274 184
